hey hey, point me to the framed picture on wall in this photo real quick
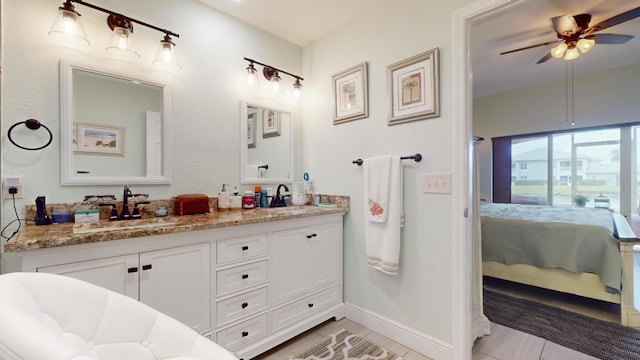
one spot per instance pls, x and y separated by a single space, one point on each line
251 130
413 88
351 94
99 140
270 123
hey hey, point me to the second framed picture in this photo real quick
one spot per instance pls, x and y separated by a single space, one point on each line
270 124
413 88
350 94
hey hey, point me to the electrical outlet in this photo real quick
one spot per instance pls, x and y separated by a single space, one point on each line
437 184
9 182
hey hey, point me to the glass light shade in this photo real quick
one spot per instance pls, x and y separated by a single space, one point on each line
585 44
166 56
559 50
297 89
251 80
121 44
572 53
274 88
67 25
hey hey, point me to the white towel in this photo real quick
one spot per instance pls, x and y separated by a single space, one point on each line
383 203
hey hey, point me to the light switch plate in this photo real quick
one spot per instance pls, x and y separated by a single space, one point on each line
436 184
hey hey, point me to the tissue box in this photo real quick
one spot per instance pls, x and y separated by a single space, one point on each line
189 204
87 216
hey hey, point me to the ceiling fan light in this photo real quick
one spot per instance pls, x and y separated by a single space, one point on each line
585 44
572 53
559 50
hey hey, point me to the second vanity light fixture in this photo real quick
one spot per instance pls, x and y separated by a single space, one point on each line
272 74
67 24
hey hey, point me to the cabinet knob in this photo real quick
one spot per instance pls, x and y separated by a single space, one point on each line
244 305
245 248
146 267
132 270
245 333
245 276
310 305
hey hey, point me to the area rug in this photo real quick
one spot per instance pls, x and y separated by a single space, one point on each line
602 339
345 346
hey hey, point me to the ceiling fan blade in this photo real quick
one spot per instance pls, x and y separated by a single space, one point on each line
531 47
612 21
564 25
544 58
610 38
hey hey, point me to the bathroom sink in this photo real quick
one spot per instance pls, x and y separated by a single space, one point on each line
123 225
287 210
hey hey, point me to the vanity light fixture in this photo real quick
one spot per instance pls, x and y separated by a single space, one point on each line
67 23
272 74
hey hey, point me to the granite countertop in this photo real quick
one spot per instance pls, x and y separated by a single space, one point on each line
33 237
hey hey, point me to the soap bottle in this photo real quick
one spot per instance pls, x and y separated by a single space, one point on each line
223 199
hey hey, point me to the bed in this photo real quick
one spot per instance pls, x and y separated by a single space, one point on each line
568 249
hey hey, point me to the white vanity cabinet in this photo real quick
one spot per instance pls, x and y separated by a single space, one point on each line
174 279
248 287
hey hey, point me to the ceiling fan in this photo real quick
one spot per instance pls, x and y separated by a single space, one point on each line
574 33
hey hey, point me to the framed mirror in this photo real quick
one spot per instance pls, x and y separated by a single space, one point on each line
266 144
114 128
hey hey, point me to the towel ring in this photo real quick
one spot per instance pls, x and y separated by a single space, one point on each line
32 124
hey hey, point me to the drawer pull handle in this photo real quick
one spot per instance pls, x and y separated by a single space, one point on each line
310 305
245 248
309 236
245 333
132 270
245 276
146 267
314 234
244 305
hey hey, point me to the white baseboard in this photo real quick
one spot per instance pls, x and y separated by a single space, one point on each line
415 340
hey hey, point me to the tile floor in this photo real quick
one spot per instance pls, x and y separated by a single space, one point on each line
503 344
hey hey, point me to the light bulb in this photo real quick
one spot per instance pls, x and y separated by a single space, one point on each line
275 83
559 50
585 44
572 53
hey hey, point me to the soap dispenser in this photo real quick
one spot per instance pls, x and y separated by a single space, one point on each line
223 199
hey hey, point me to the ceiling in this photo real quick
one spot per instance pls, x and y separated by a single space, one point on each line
525 23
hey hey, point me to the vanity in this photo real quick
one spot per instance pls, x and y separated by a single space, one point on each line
249 280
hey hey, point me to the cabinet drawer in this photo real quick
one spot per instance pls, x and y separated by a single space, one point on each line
243 333
240 277
241 305
302 308
240 248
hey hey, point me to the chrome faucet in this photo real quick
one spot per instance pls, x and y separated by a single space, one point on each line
125 203
278 201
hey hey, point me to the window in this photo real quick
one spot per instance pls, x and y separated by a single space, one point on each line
553 168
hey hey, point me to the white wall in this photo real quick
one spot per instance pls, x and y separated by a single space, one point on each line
420 297
608 97
205 139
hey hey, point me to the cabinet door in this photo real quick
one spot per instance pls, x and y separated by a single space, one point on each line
177 282
119 274
326 254
291 265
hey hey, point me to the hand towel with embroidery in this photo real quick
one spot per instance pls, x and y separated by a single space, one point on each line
377 173
383 202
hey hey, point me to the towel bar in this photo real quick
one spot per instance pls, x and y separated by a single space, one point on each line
416 158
